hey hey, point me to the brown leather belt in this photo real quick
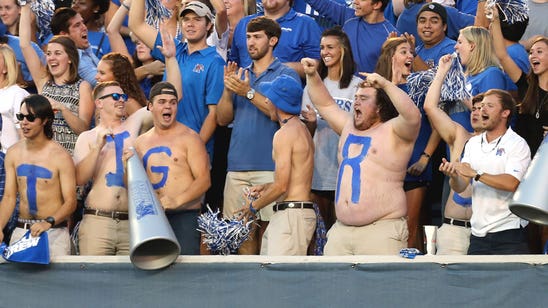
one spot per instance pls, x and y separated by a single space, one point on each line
110 214
28 223
280 206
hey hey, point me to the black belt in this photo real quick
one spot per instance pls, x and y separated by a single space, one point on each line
110 214
28 223
280 206
456 222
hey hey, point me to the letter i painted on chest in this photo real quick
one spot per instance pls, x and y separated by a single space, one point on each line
33 172
117 178
353 163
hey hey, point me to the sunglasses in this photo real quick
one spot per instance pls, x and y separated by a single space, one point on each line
116 96
30 117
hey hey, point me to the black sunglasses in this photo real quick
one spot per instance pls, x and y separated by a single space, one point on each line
30 117
116 96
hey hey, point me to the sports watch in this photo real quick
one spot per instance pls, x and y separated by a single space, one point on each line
250 94
50 220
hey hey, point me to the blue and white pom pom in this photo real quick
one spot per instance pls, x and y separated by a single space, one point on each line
43 10
418 84
156 13
512 10
454 86
223 236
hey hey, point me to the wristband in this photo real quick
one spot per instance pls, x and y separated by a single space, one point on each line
426 154
252 209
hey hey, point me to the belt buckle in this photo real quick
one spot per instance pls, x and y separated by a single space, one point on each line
291 205
116 216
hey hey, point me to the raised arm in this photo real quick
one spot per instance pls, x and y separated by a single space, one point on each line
225 107
221 19
35 66
322 100
339 13
138 26
109 15
114 27
406 125
440 121
508 64
173 72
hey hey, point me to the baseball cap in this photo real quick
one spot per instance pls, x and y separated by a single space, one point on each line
162 87
285 93
436 8
199 8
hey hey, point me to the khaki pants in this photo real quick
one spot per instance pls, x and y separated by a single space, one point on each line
102 236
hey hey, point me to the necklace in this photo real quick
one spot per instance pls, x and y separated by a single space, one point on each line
496 145
285 120
540 105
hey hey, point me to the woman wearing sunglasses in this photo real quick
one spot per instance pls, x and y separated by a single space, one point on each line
11 95
69 95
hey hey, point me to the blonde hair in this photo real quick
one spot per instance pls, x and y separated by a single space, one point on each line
10 63
483 55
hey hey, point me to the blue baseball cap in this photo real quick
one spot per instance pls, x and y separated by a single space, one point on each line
284 92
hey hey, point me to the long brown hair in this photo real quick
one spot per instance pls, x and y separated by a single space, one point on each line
529 104
384 64
124 73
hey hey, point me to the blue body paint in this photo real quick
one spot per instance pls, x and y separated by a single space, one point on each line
33 172
464 202
354 163
117 178
164 170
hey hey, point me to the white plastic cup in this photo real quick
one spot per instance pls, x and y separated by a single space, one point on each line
430 234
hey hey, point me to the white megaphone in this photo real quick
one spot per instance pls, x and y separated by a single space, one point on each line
530 201
152 243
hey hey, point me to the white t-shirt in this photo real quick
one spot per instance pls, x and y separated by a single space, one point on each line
10 104
508 154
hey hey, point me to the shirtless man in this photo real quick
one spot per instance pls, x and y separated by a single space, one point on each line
374 148
46 186
453 236
104 229
294 221
177 165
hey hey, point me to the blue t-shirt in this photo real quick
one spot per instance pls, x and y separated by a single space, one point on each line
202 74
251 141
420 144
13 42
520 56
467 6
300 38
407 21
433 54
301 6
490 78
129 43
366 39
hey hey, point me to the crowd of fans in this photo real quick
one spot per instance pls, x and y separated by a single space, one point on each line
292 113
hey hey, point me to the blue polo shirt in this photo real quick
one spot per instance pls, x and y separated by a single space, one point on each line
202 74
251 142
300 38
433 54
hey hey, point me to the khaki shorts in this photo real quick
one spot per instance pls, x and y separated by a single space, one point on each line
58 239
383 237
289 233
234 190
